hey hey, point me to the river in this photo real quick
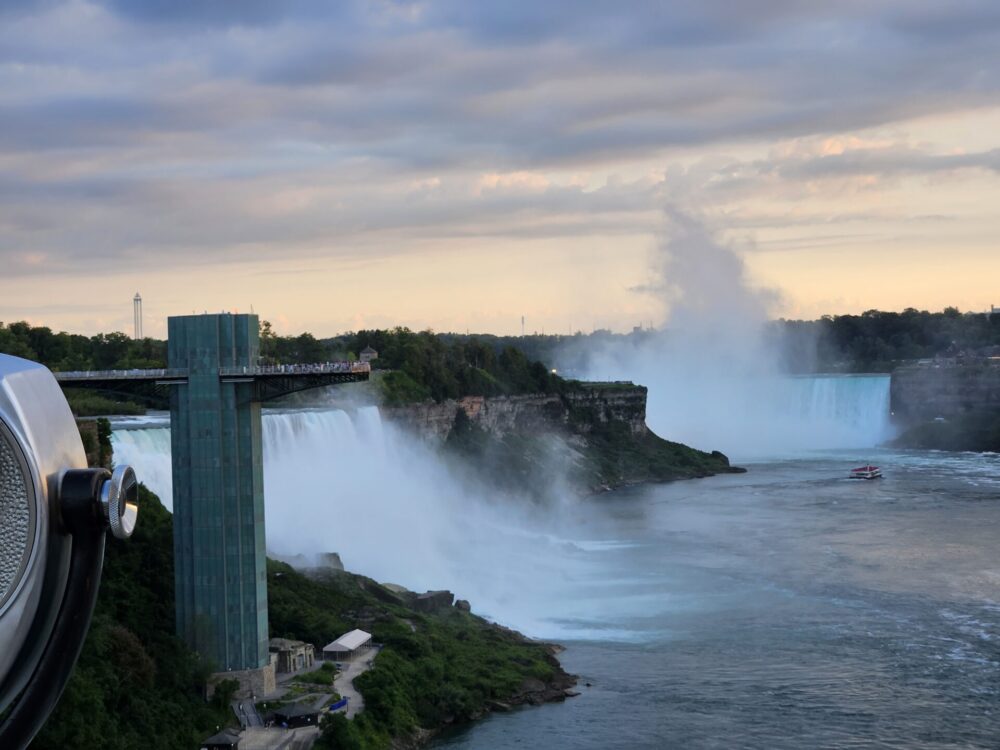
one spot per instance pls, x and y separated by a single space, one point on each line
784 608
788 607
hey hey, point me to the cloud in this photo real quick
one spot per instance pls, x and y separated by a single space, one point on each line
208 128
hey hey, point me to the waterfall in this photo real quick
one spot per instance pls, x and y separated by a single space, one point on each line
852 410
394 510
345 482
773 417
146 448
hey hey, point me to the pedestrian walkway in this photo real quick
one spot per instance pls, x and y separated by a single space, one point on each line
246 713
344 682
252 717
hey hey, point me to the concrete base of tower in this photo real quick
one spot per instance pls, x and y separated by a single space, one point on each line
253 682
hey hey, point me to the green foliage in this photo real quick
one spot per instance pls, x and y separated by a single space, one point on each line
136 684
398 388
104 449
424 365
66 351
427 365
434 668
877 341
617 456
322 676
301 349
89 404
224 692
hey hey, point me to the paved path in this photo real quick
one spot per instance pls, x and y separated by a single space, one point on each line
344 683
246 713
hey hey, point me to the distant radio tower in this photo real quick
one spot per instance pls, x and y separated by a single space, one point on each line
137 314
522 326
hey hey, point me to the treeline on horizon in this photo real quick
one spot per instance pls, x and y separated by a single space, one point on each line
874 341
447 365
877 341
422 365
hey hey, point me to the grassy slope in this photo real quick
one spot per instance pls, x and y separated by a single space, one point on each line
617 457
435 669
137 685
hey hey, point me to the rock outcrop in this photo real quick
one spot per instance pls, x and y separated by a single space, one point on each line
925 392
580 410
949 405
593 435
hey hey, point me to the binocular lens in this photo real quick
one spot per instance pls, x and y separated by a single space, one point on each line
16 529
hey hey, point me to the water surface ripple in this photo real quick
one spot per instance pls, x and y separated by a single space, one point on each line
785 608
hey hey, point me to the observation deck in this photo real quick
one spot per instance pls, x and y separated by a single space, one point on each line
269 381
214 390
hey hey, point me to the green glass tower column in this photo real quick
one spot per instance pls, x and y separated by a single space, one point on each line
218 476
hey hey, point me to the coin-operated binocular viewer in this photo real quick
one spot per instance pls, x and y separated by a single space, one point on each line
54 514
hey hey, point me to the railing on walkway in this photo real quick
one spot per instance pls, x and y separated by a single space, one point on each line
320 368
153 374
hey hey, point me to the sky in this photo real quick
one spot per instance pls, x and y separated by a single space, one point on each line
457 165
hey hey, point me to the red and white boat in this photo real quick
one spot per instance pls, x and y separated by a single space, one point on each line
866 472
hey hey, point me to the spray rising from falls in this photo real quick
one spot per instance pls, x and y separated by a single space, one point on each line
391 507
715 374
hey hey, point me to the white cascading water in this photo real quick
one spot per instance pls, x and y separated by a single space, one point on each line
714 371
773 416
337 481
852 409
345 482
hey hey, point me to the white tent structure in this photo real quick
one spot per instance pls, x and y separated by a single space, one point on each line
347 645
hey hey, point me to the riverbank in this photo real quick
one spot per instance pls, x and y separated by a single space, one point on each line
439 665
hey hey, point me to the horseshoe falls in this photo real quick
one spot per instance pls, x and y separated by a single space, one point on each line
761 417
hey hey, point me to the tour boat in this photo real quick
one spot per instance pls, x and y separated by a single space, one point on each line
866 472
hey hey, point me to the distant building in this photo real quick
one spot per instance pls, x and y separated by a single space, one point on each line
347 645
137 315
292 655
368 354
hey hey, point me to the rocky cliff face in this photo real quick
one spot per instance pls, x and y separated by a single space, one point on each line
593 436
948 406
578 411
602 404
926 392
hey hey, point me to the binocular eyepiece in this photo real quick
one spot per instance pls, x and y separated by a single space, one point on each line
54 514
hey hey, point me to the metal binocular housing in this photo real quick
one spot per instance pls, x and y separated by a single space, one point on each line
54 515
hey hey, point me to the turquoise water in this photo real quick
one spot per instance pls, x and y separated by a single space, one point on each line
785 608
